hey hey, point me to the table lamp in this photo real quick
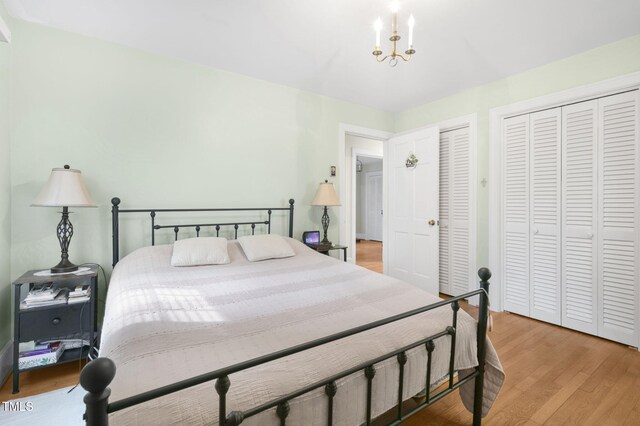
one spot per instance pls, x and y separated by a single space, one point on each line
325 196
65 189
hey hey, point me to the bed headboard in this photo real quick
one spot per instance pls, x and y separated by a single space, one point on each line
153 213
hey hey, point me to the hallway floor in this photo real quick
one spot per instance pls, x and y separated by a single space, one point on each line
369 255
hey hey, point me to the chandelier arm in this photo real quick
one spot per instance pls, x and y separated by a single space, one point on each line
381 60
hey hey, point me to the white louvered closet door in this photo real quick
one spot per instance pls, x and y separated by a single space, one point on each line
579 217
455 187
619 190
445 195
460 213
515 240
545 215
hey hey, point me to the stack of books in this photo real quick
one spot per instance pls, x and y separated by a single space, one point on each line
42 354
45 295
80 294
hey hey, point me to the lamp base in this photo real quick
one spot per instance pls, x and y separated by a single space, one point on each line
65 232
64 267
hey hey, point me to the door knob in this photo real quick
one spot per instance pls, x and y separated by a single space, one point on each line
432 222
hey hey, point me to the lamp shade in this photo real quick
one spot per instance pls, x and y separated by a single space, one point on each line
326 195
64 188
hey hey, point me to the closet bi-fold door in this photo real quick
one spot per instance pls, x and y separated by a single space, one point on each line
455 187
460 213
618 225
446 286
515 214
579 217
545 215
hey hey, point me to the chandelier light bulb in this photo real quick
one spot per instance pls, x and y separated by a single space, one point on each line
412 23
377 25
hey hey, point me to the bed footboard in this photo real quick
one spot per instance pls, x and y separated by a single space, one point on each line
98 374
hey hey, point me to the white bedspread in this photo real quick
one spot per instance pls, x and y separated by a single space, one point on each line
163 324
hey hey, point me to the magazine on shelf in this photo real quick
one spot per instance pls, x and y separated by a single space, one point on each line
80 294
40 357
60 298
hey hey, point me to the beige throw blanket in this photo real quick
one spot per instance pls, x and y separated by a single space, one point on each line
164 324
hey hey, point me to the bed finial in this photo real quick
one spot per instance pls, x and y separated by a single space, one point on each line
115 201
95 379
484 274
291 201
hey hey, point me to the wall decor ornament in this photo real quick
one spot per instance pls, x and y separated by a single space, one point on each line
412 161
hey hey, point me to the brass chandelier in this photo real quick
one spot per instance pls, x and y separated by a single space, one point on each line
394 55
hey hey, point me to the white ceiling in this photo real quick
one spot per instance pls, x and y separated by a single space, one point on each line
324 46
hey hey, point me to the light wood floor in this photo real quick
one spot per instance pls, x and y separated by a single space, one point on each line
554 376
43 380
369 255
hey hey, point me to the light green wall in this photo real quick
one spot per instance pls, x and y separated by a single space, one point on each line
160 132
612 60
5 189
157 133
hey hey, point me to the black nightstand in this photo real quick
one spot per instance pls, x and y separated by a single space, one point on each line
64 321
324 249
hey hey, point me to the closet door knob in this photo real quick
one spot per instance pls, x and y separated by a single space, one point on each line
589 235
536 230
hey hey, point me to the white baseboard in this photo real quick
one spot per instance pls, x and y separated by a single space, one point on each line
6 361
361 236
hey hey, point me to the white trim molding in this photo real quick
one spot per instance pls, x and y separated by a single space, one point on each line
5 32
496 115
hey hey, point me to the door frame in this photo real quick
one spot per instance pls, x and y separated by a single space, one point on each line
366 200
496 116
355 153
381 135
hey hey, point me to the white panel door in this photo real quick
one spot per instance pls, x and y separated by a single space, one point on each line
515 214
618 204
545 298
446 285
413 205
579 216
374 205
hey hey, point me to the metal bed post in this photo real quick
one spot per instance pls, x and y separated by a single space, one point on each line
116 232
484 275
291 201
95 379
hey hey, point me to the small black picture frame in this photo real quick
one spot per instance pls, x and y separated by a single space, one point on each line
311 237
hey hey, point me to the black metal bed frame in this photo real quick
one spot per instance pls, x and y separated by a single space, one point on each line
116 211
98 374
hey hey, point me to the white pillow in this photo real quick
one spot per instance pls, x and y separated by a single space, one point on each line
262 247
200 251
